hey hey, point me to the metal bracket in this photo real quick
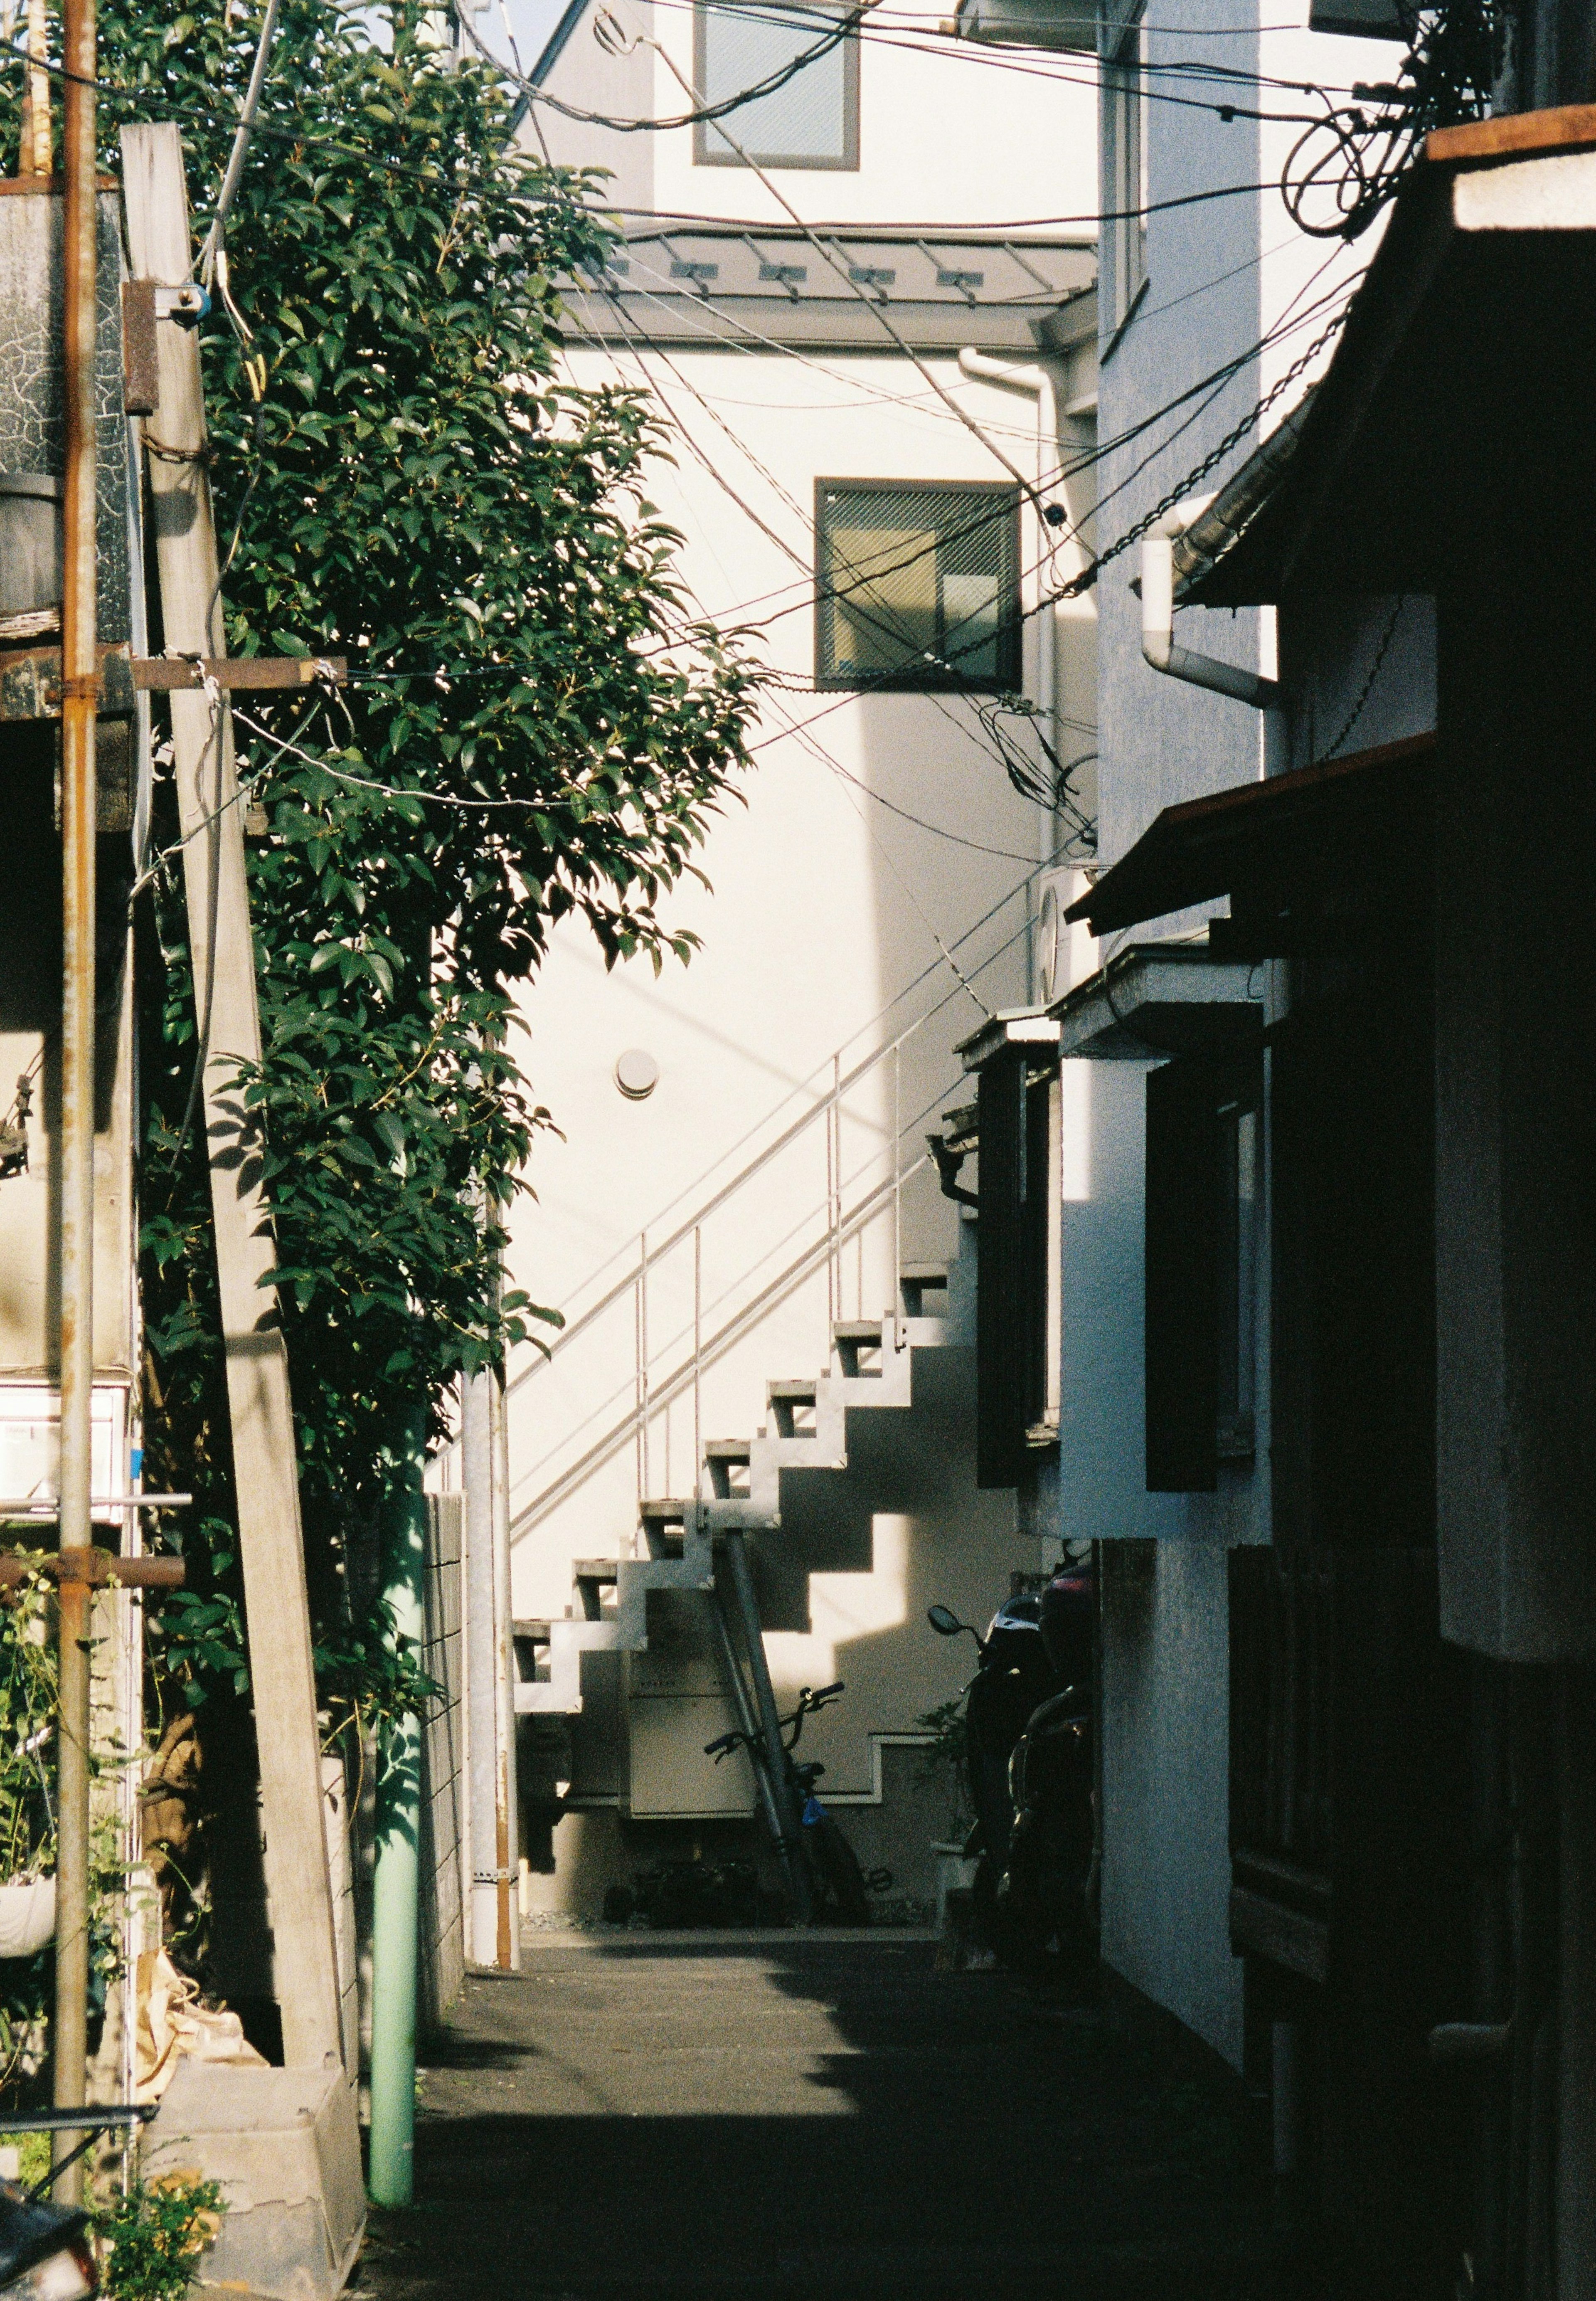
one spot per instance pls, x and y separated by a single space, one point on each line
188 304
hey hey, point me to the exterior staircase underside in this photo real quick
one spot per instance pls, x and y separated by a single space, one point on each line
740 1491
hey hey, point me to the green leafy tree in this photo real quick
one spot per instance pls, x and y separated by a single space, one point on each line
533 728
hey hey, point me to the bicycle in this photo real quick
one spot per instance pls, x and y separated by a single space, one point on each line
839 1890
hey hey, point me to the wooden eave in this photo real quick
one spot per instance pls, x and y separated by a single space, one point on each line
1453 436
1259 838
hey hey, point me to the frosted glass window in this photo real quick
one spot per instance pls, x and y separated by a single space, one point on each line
917 585
811 120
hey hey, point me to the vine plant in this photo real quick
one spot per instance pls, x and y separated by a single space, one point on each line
533 728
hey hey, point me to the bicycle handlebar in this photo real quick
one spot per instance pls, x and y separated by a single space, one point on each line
810 1699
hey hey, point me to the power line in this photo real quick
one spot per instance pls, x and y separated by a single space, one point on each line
879 29
533 92
993 749
616 43
840 32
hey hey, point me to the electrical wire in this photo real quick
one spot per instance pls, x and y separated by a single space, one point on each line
840 32
235 164
616 41
1367 688
1211 385
995 749
299 134
535 93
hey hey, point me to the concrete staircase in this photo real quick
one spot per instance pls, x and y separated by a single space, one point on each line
739 1492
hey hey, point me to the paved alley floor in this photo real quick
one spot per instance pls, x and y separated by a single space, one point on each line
641 2117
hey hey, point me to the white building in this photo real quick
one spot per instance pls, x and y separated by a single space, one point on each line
742 1168
1217 314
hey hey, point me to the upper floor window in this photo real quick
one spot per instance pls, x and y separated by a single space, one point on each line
812 119
917 584
1124 167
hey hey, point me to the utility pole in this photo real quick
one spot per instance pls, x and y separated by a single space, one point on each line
270 1540
79 698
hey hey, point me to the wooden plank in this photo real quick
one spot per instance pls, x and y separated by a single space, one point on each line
30 681
170 675
270 1537
1565 128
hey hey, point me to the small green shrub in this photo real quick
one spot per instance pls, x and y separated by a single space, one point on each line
151 2240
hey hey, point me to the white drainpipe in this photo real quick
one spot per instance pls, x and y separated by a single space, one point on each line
1036 384
1157 620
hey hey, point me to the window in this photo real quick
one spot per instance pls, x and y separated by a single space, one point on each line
1237 1277
1200 1284
1124 170
811 120
1018 1246
917 585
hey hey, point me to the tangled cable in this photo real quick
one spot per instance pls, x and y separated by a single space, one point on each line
1342 171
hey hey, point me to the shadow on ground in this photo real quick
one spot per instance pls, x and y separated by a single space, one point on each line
632 2119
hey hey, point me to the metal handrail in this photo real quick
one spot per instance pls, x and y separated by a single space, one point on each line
708 1351
866 1209
842 1082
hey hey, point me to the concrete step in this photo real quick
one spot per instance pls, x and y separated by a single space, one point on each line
591 1578
916 1280
664 1523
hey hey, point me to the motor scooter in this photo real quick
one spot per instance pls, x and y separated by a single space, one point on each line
1031 1771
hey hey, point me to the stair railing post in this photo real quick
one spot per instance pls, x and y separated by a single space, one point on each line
898 1172
697 1354
643 1368
836 1167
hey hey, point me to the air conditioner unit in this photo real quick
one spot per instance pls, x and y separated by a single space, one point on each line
1060 958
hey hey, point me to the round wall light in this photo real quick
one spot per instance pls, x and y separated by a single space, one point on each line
637 1073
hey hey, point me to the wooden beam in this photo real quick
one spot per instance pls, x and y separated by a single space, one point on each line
270 1539
1566 127
170 675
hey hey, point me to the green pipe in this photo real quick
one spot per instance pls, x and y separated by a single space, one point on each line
395 1900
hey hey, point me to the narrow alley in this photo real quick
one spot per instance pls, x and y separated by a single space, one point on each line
833 2116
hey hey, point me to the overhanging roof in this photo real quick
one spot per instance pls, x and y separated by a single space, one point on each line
1162 999
1260 837
1455 429
694 284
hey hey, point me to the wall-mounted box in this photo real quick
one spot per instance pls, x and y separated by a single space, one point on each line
677 1701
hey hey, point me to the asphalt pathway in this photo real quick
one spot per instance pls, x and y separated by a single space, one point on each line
639 2117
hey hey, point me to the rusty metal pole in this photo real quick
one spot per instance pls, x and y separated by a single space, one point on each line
75 1139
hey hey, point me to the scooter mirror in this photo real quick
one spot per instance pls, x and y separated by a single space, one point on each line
944 1621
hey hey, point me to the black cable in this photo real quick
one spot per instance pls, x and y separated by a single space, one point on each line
1367 688
840 32
1356 156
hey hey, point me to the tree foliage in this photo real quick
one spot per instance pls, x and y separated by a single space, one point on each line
533 728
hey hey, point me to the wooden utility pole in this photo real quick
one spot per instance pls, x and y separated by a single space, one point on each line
270 1539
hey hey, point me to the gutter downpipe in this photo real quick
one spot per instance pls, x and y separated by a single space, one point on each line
1157 620
1035 383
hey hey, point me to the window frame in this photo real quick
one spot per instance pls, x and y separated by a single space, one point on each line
1009 676
1239 1116
705 157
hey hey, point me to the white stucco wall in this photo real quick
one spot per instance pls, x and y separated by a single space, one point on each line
877 853
1223 274
949 133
